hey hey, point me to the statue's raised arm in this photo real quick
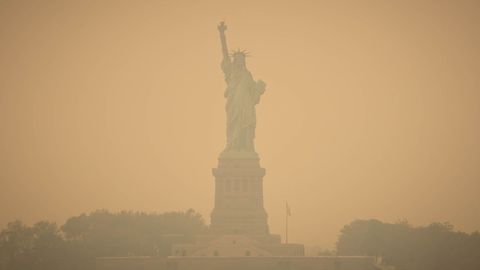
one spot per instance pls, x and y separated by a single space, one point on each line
221 29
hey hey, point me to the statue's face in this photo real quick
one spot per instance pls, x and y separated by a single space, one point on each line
239 61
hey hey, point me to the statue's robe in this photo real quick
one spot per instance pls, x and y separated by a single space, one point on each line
242 94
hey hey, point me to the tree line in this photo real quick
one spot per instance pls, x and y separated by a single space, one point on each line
77 243
434 247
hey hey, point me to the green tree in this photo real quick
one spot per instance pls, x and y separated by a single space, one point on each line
131 233
81 239
433 247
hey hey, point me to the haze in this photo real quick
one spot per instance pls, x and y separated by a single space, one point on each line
372 109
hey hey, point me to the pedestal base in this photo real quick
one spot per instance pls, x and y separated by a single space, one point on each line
238 246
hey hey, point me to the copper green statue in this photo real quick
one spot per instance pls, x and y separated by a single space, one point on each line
242 94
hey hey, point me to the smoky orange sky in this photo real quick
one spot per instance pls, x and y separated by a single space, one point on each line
372 109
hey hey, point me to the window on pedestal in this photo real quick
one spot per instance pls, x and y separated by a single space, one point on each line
251 186
228 185
236 186
219 186
244 185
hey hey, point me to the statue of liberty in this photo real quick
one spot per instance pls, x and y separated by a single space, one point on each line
242 94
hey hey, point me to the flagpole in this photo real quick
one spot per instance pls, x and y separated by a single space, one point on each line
286 222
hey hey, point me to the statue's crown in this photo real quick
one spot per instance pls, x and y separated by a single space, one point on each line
240 53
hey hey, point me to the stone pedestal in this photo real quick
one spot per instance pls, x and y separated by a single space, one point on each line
239 196
239 224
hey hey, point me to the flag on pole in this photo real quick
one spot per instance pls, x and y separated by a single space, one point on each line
289 213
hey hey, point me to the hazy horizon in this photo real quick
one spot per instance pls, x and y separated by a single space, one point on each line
371 109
